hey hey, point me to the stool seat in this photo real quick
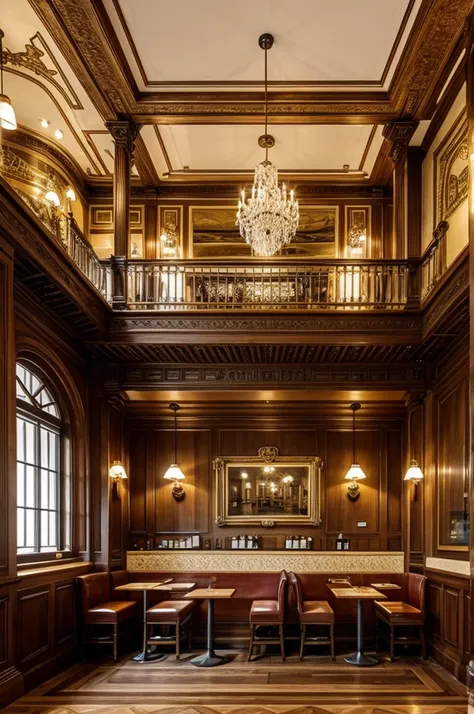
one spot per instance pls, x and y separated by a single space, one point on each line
169 611
109 612
265 612
398 612
317 612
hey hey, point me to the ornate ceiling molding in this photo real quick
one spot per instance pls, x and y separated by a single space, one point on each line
398 134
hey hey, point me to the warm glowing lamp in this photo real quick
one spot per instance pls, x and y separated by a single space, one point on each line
174 473
7 113
355 473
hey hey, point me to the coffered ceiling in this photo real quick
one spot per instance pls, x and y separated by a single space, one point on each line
191 73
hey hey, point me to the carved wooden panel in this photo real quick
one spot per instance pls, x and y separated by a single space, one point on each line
451 613
434 609
64 612
33 622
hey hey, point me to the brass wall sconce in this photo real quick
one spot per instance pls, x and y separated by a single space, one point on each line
174 472
415 475
117 474
355 473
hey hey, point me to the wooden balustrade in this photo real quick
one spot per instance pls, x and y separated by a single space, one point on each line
433 263
325 284
97 271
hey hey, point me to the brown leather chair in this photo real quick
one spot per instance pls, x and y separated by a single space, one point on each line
117 578
268 613
312 612
408 615
176 613
99 609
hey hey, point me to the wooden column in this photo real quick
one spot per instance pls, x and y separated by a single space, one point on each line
11 680
151 225
109 500
470 119
399 133
124 132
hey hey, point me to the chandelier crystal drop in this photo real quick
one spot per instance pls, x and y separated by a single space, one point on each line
268 219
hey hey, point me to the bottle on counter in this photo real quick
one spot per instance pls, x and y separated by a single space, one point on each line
288 543
255 542
235 542
310 542
346 544
296 543
303 543
339 542
242 542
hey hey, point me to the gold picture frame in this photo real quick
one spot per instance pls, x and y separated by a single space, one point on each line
281 490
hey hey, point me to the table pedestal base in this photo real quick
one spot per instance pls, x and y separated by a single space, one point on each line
360 659
149 657
209 659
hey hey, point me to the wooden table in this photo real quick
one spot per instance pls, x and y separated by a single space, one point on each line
210 658
146 655
385 586
359 658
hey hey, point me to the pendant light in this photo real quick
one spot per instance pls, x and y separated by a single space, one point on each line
355 472
7 113
174 473
268 218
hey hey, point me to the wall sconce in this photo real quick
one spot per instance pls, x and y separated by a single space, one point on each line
355 473
357 237
169 241
414 474
174 473
53 199
117 473
71 197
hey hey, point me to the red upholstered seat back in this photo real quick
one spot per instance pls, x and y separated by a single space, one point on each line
117 578
416 591
95 589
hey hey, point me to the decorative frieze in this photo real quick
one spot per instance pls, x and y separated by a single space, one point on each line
265 562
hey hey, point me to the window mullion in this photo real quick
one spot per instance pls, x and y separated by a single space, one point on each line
38 488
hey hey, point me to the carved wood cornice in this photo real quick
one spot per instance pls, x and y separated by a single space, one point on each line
398 134
434 35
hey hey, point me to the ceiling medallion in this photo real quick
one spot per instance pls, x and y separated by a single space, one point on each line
267 220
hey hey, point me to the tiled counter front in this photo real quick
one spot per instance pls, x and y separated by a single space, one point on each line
264 562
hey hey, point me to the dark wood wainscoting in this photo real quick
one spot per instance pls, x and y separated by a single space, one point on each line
47 622
448 621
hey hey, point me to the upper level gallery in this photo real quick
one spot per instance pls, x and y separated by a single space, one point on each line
142 198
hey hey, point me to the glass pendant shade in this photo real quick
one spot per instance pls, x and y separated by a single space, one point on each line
174 473
7 113
355 473
414 473
117 470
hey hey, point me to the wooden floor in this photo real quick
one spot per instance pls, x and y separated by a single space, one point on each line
266 686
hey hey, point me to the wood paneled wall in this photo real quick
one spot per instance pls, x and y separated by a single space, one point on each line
379 449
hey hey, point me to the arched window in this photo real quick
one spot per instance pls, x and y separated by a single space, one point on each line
40 492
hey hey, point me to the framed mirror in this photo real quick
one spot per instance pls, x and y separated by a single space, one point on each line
268 489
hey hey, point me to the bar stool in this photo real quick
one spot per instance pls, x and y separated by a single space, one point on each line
312 612
176 613
269 612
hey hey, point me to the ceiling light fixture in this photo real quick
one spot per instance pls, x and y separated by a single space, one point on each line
268 220
44 123
7 113
59 134
355 472
174 473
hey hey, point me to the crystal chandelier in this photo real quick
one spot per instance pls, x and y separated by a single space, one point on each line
268 220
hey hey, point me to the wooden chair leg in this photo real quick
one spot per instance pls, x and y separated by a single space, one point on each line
282 642
392 644
177 638
252 634
302 639
115 641
423 641
331 636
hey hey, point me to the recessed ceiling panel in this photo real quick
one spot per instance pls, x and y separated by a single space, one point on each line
343 42
233 148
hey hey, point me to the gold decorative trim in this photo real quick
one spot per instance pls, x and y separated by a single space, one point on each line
451 188
265 562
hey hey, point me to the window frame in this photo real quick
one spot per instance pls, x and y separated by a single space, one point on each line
41 418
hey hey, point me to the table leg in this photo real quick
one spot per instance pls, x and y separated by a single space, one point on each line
146 655
359 658
210 658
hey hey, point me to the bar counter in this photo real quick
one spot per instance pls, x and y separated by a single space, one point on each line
261 561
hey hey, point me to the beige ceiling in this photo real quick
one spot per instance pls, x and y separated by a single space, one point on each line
213 43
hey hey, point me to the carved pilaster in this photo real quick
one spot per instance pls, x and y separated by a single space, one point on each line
399 133
124 132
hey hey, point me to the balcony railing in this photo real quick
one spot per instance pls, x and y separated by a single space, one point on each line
97 271
433 262
325 284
